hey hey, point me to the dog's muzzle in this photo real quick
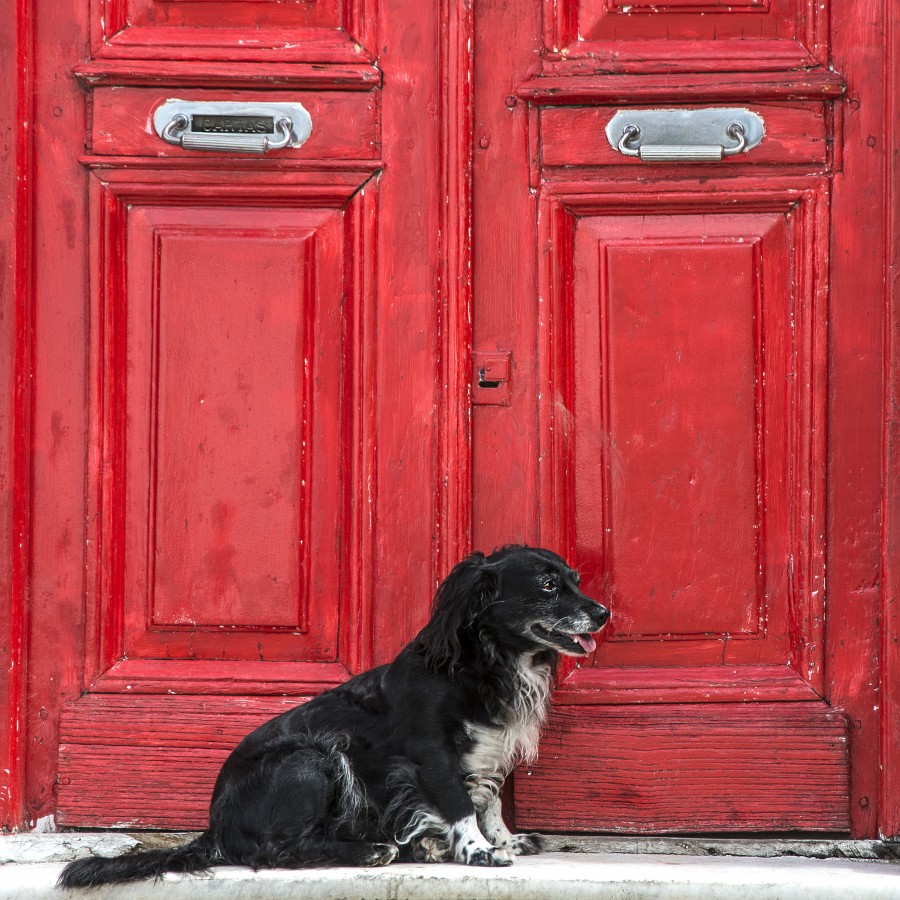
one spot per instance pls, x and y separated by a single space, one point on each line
574 638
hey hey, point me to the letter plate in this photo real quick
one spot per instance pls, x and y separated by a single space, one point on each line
684 135
232 127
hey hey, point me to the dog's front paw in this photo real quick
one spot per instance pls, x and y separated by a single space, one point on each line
525 844
431 850
381 855
488 856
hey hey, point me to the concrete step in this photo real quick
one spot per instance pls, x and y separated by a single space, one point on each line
582 875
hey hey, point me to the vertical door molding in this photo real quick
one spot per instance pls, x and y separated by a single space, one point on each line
858 348
454 484
16 400
889 818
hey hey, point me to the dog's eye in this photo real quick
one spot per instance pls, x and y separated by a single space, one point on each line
548 584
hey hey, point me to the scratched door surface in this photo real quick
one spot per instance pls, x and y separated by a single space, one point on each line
672 321
237 385
235 380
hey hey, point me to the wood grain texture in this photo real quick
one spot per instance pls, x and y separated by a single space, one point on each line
454 486
57 443
165 752
229 677
756 767
213 74
670 682
407 342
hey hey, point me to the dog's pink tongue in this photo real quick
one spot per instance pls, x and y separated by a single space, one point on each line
588 644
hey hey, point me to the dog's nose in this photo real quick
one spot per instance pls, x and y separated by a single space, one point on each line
599 615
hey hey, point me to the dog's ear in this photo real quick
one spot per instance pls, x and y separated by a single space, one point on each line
469 589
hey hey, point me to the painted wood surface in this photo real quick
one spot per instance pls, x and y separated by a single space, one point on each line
889 800
752 767
700 380
209 523
655 346
166 752
16 398
856 386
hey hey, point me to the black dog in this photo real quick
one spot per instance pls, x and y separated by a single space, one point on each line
409 755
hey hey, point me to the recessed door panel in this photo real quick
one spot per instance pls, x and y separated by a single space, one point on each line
682 34
224 317
229 441
687 479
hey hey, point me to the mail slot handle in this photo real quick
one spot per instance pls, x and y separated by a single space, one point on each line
628 146
230 126
176 132
710 134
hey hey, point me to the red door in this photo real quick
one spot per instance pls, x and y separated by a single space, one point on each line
236 391
685 330
234 482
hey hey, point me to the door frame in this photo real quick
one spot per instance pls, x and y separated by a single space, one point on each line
16 401
870 49
889 818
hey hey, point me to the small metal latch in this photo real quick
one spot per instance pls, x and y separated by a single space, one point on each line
490 381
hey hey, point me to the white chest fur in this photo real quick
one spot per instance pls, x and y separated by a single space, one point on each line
497 748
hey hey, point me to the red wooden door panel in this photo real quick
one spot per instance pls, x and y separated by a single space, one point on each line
321 30
690 516
228 450
231 420
682 34
233 531
672 321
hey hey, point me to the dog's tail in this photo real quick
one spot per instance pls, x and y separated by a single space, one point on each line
197 856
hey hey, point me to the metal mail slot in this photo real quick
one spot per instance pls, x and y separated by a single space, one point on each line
684 135
233 127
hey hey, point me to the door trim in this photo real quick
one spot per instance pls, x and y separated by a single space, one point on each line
16 403
889 819
453 509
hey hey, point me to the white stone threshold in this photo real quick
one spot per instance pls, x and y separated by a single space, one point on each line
581 875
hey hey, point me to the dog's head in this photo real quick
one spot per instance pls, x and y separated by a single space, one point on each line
524 597
538 598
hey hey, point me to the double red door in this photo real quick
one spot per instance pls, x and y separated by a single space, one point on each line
276 396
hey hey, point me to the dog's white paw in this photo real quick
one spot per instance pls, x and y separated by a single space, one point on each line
487 856
524 844
431 850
